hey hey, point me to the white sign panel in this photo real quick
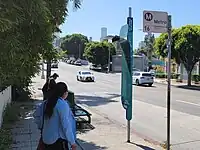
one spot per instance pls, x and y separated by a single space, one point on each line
155 21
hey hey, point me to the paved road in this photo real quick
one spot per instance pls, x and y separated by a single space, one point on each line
149 106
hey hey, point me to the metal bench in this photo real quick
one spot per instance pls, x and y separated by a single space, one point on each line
81 115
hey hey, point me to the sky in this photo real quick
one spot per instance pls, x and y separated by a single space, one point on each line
112 14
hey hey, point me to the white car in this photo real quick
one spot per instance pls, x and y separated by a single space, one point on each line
141 78
153 72
85 76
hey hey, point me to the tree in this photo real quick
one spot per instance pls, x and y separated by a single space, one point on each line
27 29
185 47
146 47
74 44
98 52
58 11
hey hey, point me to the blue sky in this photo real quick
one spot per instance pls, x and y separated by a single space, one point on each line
112 14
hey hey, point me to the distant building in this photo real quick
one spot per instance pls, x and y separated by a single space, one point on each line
103 33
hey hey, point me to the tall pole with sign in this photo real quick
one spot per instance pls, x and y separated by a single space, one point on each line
160 22
126 50
130 40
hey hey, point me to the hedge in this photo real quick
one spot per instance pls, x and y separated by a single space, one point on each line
195 77
164 75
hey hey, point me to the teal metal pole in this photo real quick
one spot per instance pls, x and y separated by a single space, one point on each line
129 75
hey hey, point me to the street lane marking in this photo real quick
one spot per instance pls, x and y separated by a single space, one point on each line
188 103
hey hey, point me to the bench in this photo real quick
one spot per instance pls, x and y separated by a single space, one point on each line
81 115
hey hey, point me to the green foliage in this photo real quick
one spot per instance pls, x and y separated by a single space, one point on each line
74 44
147 46
185 46
26 35
164 75
196 78
98 52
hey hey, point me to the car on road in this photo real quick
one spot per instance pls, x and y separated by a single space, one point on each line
143 78
54 64
85 76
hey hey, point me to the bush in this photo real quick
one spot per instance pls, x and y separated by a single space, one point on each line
196 78
161 75
164 75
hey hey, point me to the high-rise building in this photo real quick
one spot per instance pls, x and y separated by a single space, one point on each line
103 33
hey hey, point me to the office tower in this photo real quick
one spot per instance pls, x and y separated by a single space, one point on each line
103 33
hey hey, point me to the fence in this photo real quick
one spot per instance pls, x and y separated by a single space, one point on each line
5 98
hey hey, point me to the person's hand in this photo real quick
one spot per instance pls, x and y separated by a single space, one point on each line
73 146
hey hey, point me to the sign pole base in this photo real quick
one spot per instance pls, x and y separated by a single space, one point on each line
128 131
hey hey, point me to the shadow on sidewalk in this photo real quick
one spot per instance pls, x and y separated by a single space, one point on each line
96 100
142 146
88 145
192 87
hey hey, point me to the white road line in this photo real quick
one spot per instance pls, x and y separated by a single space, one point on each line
188 103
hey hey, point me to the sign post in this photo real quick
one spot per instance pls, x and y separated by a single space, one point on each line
160 22
130 40
125 48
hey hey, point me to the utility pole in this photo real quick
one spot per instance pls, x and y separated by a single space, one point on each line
169 82
108 60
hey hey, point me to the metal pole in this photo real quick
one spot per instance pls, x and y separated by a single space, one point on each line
108 60
149 50
128 121
42 76
128 131
169 81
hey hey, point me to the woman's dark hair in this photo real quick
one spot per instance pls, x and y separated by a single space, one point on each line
57 92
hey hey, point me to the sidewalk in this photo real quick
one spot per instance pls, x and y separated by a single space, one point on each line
178 84
106 135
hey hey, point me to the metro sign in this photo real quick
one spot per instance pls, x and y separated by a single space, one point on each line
155 21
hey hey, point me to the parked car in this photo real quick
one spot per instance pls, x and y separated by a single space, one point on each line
54 64
153 72
141 78
85 76
72 62
135 70
68 61
78 63
95 67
